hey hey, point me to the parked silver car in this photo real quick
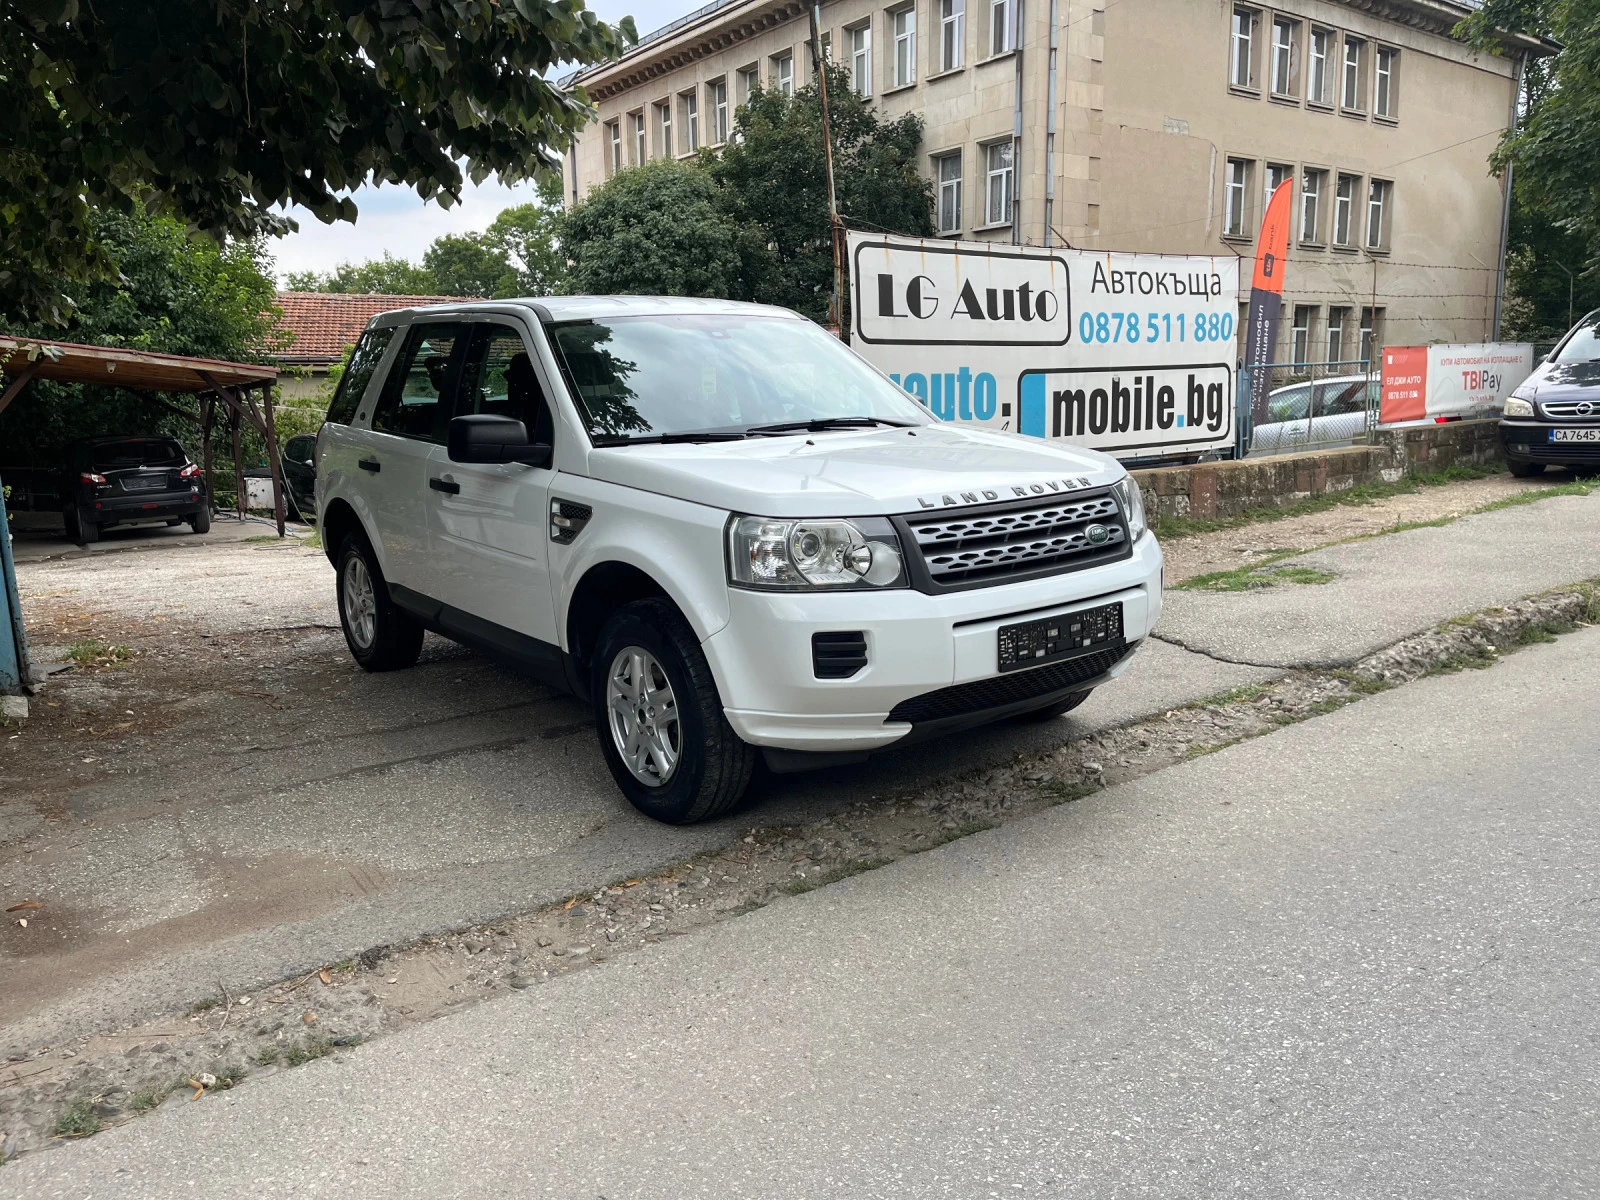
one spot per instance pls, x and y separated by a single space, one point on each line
1324 412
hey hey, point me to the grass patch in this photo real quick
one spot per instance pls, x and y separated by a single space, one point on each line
1452 663
966 829
261 539
1362 685
1254 577
1212 747
80 1120
1576 488
1060 791
268 1057
228 1076
203 1006
799 887
314 542
92 652
143 1101
307 1050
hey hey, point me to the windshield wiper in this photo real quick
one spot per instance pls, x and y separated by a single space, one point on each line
667 439
822 424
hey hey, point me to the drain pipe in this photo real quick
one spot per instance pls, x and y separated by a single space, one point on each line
1050 132
1016 138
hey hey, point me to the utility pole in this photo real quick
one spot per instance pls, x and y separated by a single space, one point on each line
1571 285
1505 209
835 226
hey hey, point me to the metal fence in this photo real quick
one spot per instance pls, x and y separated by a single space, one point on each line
1309 406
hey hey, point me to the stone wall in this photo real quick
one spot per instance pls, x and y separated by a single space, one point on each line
1225 489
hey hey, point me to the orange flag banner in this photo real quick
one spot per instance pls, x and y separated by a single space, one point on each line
1266 298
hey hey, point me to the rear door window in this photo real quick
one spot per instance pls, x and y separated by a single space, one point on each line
500 378
420 392
364 360
137 452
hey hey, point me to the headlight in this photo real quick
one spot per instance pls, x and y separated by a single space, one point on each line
1127 492
1518 406
764 552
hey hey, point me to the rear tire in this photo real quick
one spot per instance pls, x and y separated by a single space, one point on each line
660 721
381 635
1525 470
82 531
1059 708
201 521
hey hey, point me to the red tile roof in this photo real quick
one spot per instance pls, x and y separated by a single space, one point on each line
324 323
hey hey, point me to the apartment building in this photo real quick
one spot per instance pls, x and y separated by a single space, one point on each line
1145 125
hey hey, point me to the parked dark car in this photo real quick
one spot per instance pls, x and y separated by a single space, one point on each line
299 461
130 480
1554 417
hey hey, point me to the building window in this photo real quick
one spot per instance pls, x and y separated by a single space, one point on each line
1285 39
717 95
1277 173
1300 335
1378 196
997 205
999 27
1311 186
947 170
783 73
1320 77
1336 320
1371 334
826 42
861 59
1355 55
747 83
691 122
1236 198
1242 61
664 128
1344 205
641 147
1385 76
613 147
905 47
952 33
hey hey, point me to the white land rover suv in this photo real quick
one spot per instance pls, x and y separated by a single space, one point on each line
723 529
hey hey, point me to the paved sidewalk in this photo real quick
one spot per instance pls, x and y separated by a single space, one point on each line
1386 588
1285 969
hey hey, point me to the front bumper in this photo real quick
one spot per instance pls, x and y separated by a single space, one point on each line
1527 439
916 644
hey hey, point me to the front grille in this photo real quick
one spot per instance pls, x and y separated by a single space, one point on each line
1562 452
1572 408
991 546
966 698
838 655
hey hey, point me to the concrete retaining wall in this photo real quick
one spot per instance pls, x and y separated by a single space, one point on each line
1225 489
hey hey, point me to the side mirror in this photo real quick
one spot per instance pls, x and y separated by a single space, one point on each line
487 438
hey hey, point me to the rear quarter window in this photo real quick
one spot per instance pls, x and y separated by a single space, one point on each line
364 361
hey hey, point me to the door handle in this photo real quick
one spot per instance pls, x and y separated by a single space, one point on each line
448 487
370 464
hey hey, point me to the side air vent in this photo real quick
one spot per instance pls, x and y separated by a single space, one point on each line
567 521
838 655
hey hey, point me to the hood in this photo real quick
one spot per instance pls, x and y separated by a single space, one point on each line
856 474
1565 381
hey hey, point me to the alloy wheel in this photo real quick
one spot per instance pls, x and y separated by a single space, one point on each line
644 716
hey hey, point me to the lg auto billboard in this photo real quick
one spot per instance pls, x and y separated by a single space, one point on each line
1132 354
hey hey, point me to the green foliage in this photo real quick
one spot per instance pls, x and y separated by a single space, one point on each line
221 111
387 276
749 220
1556 154
178 294
773 186
654 230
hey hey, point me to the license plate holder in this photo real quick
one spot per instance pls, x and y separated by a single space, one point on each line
1051 639
1591 434
143 483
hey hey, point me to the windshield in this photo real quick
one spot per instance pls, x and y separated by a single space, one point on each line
650 376
142 452
1583 344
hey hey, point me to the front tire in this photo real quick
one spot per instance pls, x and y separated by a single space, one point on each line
1059 708
1524 470
662 730
381 636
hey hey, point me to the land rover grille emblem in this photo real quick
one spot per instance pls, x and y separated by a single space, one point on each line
1097 535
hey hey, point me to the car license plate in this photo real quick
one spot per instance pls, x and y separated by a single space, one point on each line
1575 435
1034 643
143 483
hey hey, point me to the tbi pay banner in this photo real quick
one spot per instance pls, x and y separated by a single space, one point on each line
1421 383
1132 354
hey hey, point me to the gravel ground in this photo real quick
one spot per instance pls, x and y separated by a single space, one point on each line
1201 554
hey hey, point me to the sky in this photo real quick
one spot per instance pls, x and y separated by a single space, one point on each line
396 220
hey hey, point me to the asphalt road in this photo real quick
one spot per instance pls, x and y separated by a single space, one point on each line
1387 587
1353 958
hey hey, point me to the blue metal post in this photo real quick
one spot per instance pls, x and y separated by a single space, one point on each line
13 641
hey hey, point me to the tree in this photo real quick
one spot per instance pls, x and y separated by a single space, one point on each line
528 237
469 265
656 229
1555 153
388 276
772 184
219 111
178 294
